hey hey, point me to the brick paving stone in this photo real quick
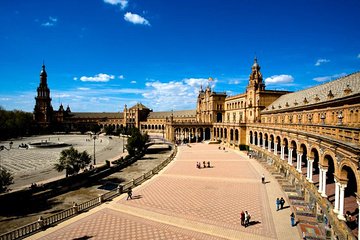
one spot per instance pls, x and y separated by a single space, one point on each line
183 202
110 224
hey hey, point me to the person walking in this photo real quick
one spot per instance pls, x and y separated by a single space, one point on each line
129 192
292 219
242 218
282 202
263 178
277 204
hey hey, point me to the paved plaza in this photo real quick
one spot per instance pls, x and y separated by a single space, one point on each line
37 164
184 202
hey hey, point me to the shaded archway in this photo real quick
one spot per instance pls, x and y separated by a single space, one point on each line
207 134
330 183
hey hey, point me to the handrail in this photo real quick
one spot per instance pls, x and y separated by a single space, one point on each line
42 224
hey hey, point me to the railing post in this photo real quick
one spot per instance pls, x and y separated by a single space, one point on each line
100 198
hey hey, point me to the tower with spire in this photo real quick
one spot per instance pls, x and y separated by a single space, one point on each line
43 111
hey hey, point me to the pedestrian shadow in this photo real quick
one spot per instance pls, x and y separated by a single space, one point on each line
83 238
251 223
137 197
284 207
267 182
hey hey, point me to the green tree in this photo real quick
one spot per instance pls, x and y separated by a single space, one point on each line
136 142
109 129
6 179
72 161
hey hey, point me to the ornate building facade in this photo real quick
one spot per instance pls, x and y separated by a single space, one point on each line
312 136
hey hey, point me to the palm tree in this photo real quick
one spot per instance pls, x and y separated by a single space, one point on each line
72 161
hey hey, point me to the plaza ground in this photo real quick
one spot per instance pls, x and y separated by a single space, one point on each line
184 202
36 165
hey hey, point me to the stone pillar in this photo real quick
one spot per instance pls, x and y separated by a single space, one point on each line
323 194
337 188
311 169
320 179
196 135
275 148
264 140
282 156
269 146
290 156
341 207
258 142
204 135
189 137
358 202
299 158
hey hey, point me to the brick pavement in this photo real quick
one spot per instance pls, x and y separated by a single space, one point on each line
184 202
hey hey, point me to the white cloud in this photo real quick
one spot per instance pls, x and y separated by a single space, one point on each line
329 78
101 77
358 56
83 88
135 19
133 82
51 22
123 3
279 79
175 94
121 77
321 61
75 78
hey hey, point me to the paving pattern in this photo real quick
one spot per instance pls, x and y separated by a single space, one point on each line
34 160
184 202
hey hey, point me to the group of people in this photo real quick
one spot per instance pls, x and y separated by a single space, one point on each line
198 164
245 218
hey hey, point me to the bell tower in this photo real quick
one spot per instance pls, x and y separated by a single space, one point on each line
253 93
43 110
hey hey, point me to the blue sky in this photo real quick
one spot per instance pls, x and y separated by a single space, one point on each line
102 54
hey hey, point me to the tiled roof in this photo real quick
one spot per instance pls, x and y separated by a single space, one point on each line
139 106
176 114
96 115
337 89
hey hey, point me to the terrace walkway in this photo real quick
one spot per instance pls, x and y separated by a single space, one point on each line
184 202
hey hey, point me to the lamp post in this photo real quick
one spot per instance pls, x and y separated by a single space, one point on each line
94 138
123 145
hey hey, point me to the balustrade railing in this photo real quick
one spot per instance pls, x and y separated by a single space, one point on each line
42 224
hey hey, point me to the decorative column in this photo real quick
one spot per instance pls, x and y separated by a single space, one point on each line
337 188
282 156
323 194
320 179
263 143
298 162
358 202
290 156
341 207
269 146
275 148
203 134
311 169
196 135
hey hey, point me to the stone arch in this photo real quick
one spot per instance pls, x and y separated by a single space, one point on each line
225 133
236 135
255 138
266 136
272 139
231 134
329 163
303 150
251 137
260 138
286 147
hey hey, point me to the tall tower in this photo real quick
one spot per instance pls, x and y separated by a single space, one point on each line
253 93
43 110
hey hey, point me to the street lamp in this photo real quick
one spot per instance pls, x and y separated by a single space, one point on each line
94 137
